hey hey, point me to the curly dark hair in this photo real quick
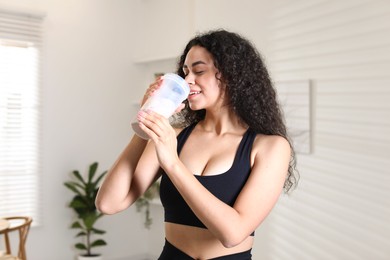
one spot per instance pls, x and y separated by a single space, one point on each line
249 88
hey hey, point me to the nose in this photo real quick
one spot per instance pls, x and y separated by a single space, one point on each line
190 79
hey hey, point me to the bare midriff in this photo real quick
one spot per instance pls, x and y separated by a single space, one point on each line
200 243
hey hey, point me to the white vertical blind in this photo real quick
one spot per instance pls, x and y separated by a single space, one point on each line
294 98
20 51
341 209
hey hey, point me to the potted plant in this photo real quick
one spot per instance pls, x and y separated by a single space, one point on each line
83 203
143 202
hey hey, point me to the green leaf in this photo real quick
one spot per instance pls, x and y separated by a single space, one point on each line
90 219
82 233
92 171
81 246
72 187
99 242
76 184
90 191
98 231
141 203
96 183
78 176
76 224
77 203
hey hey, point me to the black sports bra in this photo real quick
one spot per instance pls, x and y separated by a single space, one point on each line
225 186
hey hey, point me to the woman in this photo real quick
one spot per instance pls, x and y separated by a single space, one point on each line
224 166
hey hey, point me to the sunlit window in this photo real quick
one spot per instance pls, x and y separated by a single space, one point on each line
19 117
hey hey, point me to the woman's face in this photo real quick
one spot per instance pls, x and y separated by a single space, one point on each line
201 75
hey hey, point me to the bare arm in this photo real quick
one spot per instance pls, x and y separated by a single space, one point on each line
128 178
132 174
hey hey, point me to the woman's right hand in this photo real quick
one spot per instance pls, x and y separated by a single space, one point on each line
151 89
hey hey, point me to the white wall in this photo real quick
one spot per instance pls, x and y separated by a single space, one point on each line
342 207
88 92
247 17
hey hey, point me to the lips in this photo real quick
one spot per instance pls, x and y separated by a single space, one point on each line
194 93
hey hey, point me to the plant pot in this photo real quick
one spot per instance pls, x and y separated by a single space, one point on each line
94 257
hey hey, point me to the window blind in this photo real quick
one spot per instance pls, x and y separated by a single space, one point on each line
341 208
20 52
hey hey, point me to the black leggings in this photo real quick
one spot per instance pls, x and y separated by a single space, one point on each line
170 252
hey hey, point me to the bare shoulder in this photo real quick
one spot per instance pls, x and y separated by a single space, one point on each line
271 145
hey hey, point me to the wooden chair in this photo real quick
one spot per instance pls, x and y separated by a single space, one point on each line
22 225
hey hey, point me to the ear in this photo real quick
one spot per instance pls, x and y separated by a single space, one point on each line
221 81
218 76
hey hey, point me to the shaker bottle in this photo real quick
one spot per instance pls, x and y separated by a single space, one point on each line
165 100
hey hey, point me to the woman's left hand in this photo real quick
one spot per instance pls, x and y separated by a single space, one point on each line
158 128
